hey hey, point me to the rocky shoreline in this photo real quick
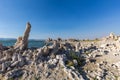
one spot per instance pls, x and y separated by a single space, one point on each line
62 60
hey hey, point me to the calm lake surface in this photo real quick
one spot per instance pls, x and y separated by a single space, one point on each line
32 43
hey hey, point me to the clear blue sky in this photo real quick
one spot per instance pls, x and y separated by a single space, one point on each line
60 18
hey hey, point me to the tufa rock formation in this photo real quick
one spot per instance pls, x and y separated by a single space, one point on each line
22 42
111 37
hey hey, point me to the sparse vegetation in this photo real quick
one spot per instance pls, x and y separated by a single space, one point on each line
74 56
69 63
11 79
95 78
88 40
116 77
87 52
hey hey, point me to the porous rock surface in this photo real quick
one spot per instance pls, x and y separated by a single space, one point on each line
22 42
63 60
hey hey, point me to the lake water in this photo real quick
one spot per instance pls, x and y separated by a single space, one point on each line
32 43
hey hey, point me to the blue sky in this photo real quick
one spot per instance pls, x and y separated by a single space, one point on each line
60 18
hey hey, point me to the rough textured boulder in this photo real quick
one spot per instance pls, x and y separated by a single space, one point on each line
49 40
55 47
22 42
77 46
13 74
112 36
1 46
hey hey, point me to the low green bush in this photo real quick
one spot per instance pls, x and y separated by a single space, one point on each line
74 56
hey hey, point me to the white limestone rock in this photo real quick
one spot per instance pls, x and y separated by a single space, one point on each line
14 74
22 42
14 57
77 46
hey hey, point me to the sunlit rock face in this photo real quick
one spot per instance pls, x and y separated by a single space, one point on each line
22 42
63 59
112 36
